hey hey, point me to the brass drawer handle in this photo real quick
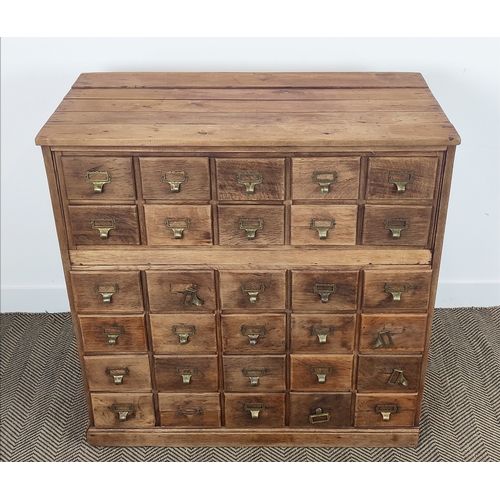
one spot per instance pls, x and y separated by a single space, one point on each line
186 373
396 289
178 225
175 178
107 291
249 180
117 374
397 377
322 226
395 226
112 332
253 290
253 374
189 411
98 179
322 332
253 332
321 372
183 332
324 179
251 226
319 417
190 297
123 410
104 226
401 179
254 408
383 340
386 411
324 290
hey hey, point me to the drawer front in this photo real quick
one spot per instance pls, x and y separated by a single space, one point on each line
189 410
397 225
253 334
326 372
397 290
385 410
177 225
400 178
253 290
122 411
327 291
326 178
250 179
104 225
389 373
183 334
188 291
324 225
186 373
255 410
107 292
113 334
323 333
175 179
254 373
320 411
118 373
98 178
251 225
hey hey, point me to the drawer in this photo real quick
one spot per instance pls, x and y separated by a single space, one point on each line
393 332
253 290
255 410
251 225
104 225
397 289
250 179
183 334
389 373
98 178
325 291
325 372
189 410
254 373
385 410
113 334
187 291
107 292
324 225
322 333
186 373
402 177
124 410
118 373
320 411
172 179
178 225
326 178
396 225
252 334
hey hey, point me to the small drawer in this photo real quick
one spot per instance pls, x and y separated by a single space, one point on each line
397 290
189 410
320 411
183 334
188 291
118 373
251 225
124 410
253 334
255 410
393 332
385 410
178 225
173 179
254 373
326 178
250 179
104 225
324 225
113 334
107 292
389 373
402 177
325 291
186 373
326 372
323 333
98 178
397 225
253 290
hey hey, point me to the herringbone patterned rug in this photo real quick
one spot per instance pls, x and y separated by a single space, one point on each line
44 417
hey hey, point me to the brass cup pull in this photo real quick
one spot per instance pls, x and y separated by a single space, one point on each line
190 297
117 374
183 332
324 290
253 332
175 178
319 417
251 226
186 373
112 332
396 289
253 374
397 377
325 179
386 411
401 179
178 225
254 408
321 372
104 226
249 180
123 410
383 340
98 179
322 226
395 226
253 290
107 291
322 332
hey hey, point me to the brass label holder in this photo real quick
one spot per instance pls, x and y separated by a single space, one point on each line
396 225
401 179
186 373
321 372
397 377
178 225
325 179
249 180
190 297
103 225
123 410
396 289
322 226
254 374
251 226
175 178
107 291
324 290
385 411
322 332
254 409
189 411
319 416
253 332
117 374
97 179
383 340
253 290
183 332
112 332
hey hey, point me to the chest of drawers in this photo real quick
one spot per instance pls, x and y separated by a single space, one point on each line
251 259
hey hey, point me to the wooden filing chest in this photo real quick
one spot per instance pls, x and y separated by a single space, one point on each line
251 259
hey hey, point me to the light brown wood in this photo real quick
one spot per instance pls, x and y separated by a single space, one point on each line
139 408
189 410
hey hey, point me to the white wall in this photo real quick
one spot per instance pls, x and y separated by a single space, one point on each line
463 73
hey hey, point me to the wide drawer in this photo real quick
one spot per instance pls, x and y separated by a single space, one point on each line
189 410
385 410
320 411
255 410
122 411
